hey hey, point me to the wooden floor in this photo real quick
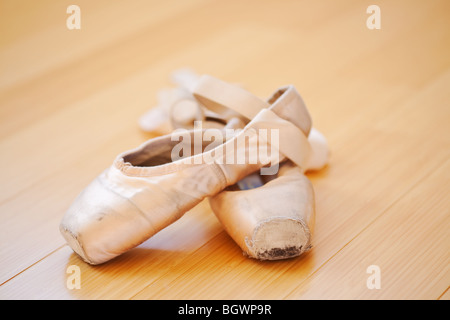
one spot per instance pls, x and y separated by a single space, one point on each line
70 101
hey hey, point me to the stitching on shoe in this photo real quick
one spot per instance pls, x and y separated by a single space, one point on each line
221 175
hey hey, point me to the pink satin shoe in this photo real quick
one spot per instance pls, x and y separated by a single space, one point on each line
146 189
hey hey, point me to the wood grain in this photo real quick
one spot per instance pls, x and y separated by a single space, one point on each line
70 100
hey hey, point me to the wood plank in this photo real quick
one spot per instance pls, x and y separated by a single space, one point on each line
338 221
69 102
121 277
38 40
42 196
445 295
410 243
